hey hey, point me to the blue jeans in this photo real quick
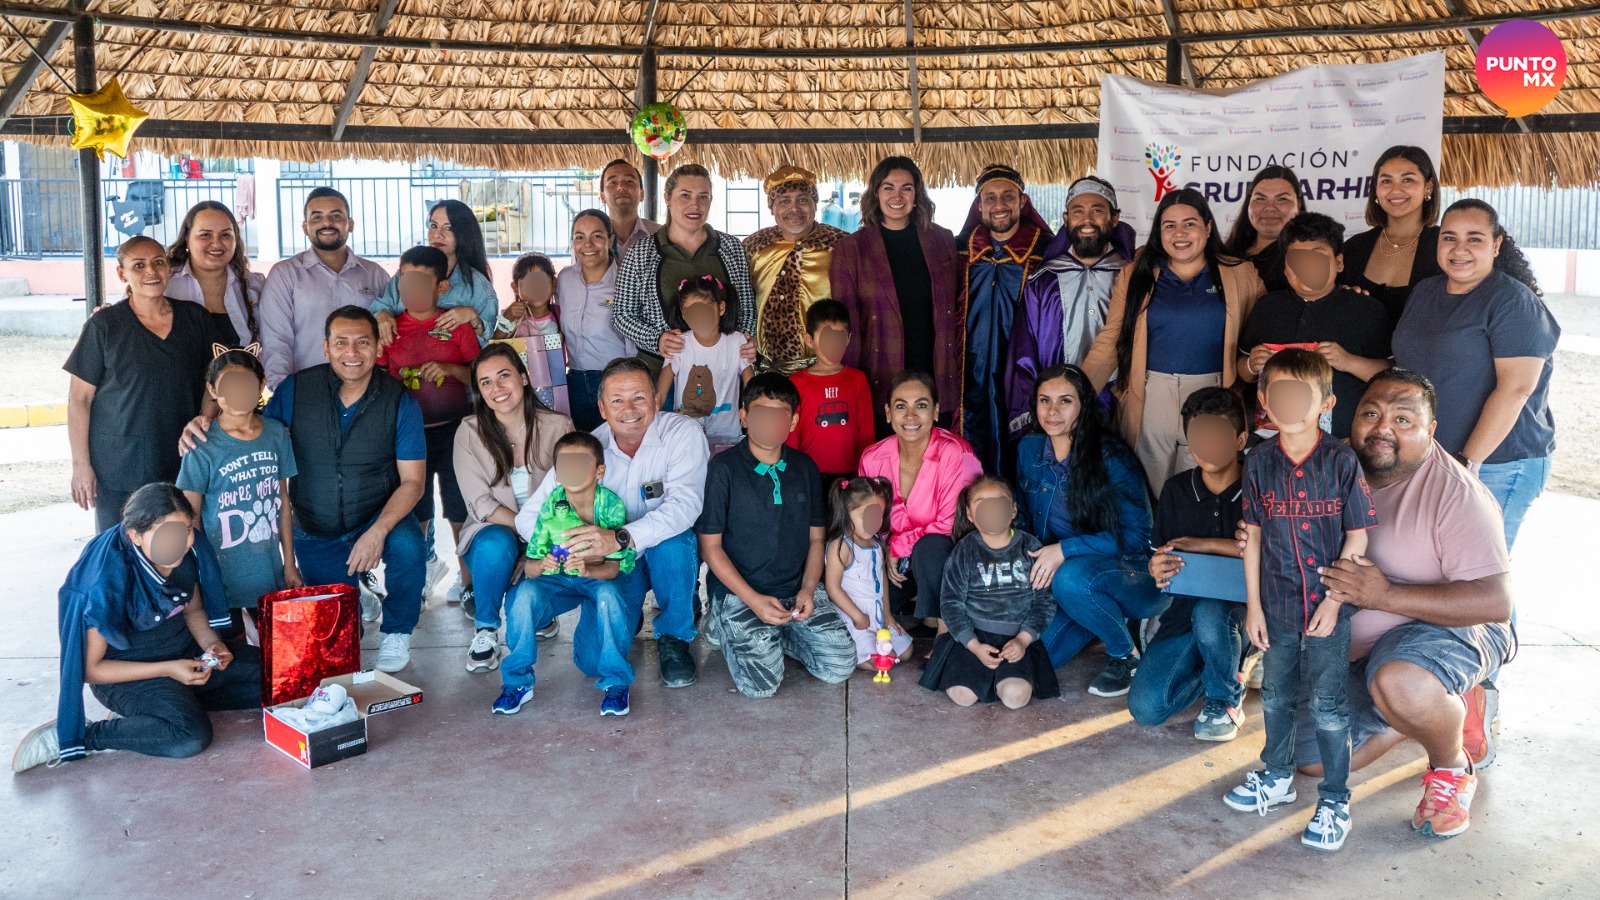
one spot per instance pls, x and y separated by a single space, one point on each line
672 569
1515 485
583 395
492 557
1179 669
606 627
1097 596
1325 664
323 561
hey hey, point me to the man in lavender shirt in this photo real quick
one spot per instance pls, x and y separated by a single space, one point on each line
302 290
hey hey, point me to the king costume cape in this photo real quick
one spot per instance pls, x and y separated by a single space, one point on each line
1063 309
788 275
995 275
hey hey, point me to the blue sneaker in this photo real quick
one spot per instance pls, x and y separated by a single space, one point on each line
615 703
512 699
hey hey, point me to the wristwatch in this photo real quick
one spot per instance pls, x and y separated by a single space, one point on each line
624 539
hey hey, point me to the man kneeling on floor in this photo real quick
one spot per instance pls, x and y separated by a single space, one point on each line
1434 599
761 534
137 613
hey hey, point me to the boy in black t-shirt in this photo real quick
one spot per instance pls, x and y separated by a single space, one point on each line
1349 330
1199 640
761 530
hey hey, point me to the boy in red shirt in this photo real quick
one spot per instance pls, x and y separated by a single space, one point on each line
433 365
835 401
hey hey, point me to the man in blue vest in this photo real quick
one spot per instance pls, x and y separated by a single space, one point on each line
361 441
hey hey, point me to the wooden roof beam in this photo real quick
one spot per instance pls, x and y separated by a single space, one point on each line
1420 26
170 129
1169 11
911 78
358 79
28 72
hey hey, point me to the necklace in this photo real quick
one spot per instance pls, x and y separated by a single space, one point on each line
1394 247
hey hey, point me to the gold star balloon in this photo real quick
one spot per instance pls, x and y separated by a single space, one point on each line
104 120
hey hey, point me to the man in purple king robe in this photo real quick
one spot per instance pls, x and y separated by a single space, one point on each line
1064 302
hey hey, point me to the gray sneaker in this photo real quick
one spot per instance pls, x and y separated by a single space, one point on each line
1218 722
371 600
39 747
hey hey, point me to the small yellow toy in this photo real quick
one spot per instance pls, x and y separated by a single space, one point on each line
883 660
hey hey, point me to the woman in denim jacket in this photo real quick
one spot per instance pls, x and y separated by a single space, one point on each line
1082 492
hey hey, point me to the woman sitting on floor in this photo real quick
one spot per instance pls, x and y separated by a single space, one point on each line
137 617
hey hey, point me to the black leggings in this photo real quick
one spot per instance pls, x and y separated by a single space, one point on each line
161 717
925 577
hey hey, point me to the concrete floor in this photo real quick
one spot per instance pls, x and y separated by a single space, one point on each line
860 789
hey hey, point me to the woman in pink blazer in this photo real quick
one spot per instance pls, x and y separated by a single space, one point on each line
926 467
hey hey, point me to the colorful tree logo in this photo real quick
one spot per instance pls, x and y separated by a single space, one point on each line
1163 162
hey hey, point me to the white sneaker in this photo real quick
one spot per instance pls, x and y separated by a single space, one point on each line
394 652
454 596
548 632
39 747
437 570
1260 792
371 603
484 653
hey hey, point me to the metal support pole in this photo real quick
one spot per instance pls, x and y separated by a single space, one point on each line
644 95
1174 61
94 216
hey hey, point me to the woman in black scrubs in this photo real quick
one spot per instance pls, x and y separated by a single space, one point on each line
1402 247
138 376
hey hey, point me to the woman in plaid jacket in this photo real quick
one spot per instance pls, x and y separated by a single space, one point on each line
685 248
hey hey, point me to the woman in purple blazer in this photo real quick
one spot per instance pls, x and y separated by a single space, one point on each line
901 280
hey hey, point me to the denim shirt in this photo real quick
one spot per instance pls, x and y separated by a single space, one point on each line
468 287
1042 482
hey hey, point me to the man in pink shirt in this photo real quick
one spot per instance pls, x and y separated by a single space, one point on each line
1434 594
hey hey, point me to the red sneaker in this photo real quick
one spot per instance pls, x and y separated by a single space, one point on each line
1483 703
1446 799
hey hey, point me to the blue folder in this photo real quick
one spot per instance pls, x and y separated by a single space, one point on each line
1204 575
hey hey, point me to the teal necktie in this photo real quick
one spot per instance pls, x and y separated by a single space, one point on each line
772 470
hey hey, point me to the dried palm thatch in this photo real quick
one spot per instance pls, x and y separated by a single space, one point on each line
779 70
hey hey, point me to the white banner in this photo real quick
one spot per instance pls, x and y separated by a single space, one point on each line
1327 123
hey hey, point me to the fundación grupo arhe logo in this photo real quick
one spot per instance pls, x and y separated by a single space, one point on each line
1521 65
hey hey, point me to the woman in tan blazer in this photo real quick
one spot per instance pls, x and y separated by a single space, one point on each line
1181 333
502 452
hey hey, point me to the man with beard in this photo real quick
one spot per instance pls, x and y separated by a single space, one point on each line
302 290
621 189
1434 600
1064 303
1003 241
789 265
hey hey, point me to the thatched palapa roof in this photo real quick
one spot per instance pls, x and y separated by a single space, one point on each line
831 85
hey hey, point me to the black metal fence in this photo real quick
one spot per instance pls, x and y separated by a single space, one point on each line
519 213
43 216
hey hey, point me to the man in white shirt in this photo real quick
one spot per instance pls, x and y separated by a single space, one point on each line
302 290
656 462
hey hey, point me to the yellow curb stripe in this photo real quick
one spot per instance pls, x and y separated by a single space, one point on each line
33 415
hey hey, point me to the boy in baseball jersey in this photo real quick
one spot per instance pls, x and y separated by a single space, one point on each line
1306 503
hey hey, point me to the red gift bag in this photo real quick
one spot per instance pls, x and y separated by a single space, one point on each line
307 634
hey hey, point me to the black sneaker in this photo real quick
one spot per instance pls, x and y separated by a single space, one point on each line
1115 679
677 666
469 602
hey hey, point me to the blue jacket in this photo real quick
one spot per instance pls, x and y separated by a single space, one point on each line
98 594
1042 482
